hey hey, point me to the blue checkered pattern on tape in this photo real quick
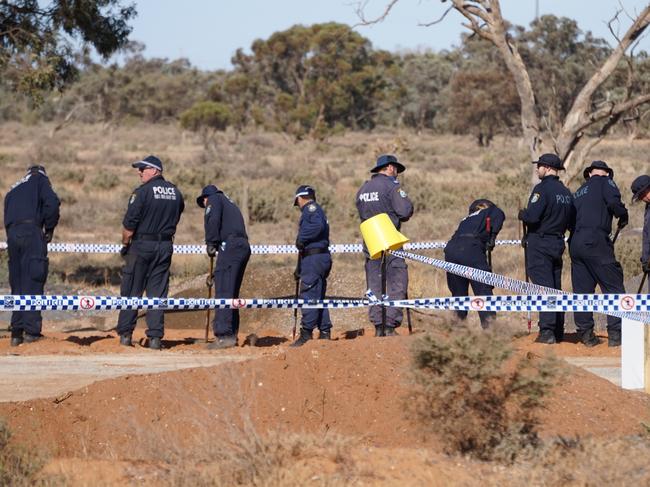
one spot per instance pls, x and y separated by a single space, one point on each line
624 304
515 285
76 303
91 248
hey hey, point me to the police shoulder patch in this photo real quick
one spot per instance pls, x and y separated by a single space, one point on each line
208 209
612 183
402 193
132 199
534 198
312 207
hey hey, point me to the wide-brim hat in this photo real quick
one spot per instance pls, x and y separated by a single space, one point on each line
598 165
149 161
639 186
303 190
207 191
386 159
550 160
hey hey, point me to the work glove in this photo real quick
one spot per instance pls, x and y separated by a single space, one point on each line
296 273
645 266
211 250
48 235
299 245
521 214
491 242
124 250
623 221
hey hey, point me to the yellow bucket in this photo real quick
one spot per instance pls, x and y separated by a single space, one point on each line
380 235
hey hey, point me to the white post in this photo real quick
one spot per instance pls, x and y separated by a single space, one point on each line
633 354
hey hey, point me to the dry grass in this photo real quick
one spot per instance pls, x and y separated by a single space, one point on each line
20 466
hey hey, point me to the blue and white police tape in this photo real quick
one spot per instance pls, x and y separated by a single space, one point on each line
107 303
600 303
99 248
515 285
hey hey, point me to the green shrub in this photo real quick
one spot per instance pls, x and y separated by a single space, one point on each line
480 403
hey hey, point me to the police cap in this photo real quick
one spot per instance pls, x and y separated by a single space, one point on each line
149 161
550 160
37 168
639 186
598 165
304 191
207 191
386 159
480 204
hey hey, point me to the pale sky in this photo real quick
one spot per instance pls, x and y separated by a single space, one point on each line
208 32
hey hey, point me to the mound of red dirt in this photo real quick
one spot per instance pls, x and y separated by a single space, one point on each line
352 387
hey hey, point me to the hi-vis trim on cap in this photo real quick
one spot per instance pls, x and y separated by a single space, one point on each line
146 163
304 192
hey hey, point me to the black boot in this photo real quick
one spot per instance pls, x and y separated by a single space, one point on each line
305 336
27 338
614 338
324 335
588 338
155 343
226 341
379 331
16 338
559 335
546 336
390 331
126 340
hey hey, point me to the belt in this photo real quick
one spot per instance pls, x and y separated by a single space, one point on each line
153 237
235 235
21 222
542 235
468 235
308 252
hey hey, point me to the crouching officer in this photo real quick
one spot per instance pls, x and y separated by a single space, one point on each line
592 251
383 194
550 212
31 214
315 263
225 233
476 234
149 226
641 192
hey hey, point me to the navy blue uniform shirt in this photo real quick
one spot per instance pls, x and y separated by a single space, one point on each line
222 219
313 228
645 252
475 224
597 201
550 208
154 208
32 199
382 194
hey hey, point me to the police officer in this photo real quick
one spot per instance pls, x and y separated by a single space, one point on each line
550 212
225 233
475 235
592 251
641 192
383 194
31 214
315 263
149 224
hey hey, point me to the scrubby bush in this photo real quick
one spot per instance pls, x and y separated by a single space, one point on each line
480 402
18 466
